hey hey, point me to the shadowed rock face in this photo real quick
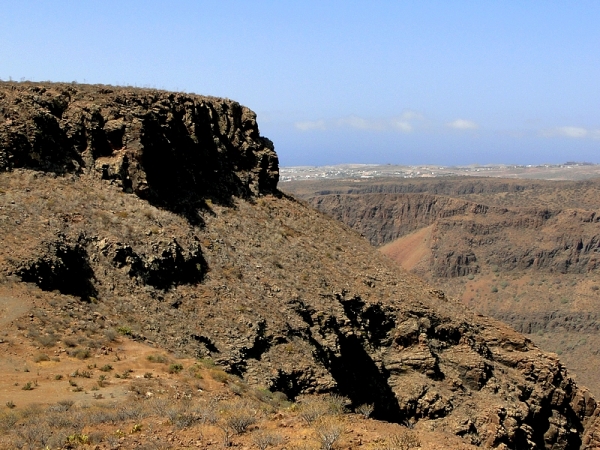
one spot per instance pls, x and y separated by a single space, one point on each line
172 149
272 290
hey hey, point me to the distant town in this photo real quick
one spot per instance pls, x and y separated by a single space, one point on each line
566 171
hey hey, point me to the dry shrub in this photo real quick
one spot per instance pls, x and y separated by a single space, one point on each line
32 411
61 406
219 375
139 387
179 413
185 419
130 411
274 399
80 353
7 422
159 406
264 439
239 421
34 435
70 342
208 412
41 357
102 416
328 432
47 340
403 441
313 408
365 410
238 416
110 334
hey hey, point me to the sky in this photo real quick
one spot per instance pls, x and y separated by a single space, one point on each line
334 82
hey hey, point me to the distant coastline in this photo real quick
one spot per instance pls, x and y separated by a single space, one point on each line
567 171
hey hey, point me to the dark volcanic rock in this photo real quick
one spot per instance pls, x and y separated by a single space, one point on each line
169 148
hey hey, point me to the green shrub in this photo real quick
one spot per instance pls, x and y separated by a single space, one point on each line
80 353
124 330
157 359
175 368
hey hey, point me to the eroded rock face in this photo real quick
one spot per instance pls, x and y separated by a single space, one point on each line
465 233
270 289
169 148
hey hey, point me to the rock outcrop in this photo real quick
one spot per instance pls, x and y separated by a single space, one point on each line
271 290
169 148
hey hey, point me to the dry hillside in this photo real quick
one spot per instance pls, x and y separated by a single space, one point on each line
158 291
526 252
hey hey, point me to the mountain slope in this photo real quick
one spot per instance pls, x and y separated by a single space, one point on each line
200 254
524 252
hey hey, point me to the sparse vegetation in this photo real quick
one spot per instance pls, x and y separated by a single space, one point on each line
157 359
407 440
365 410
329 432
175 368
264 439
41 357
261 283
124 330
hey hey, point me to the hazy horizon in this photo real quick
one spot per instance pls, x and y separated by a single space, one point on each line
407 83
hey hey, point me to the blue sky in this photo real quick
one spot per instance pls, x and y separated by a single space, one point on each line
419 82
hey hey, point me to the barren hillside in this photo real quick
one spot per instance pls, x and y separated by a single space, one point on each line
524 252
152 221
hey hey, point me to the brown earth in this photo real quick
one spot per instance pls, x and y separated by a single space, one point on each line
171 233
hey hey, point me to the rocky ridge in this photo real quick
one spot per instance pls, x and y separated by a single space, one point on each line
169 148
465 233
184 241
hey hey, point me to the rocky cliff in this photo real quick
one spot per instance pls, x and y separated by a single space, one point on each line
525 252
168 148
98 220
466 232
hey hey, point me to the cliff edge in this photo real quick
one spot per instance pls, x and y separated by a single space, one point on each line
169 148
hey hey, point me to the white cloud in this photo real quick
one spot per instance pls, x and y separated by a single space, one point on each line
411 115
404 123
572 132
463 124
361 124
311 125
403 126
